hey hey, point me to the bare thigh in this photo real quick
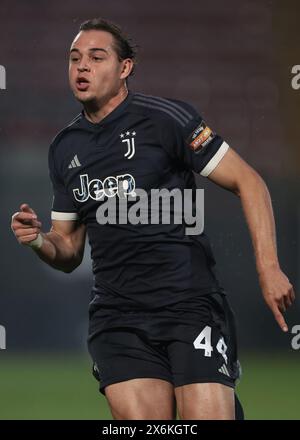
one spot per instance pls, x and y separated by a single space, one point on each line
142 399
205 401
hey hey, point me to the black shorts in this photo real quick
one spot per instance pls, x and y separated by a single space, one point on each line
192 341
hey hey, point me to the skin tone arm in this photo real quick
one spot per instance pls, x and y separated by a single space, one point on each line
234 174
63 245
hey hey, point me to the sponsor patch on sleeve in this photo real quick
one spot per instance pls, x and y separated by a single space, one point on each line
200 137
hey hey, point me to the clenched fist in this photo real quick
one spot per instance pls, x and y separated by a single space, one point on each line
25 225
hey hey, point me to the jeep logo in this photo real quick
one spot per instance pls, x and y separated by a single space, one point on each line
97 189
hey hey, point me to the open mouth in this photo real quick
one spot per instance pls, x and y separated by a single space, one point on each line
82 83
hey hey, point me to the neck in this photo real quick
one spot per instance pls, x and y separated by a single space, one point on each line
96 111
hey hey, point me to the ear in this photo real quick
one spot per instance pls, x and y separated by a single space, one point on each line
126 68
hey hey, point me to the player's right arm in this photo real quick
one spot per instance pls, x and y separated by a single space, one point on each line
62 247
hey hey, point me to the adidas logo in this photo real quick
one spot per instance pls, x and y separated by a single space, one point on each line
75 162
224 370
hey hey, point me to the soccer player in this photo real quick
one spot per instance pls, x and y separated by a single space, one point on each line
161 331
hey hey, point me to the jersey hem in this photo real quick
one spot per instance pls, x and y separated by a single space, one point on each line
214 161
55 215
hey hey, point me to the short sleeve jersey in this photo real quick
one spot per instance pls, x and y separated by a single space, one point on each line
146 143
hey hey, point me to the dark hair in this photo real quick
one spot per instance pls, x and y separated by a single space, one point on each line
123 45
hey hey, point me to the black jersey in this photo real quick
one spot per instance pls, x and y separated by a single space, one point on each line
150 143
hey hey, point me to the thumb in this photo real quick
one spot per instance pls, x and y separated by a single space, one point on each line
26 208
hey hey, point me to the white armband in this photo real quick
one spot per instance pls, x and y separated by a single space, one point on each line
37 243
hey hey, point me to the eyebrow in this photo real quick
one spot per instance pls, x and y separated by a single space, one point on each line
93 49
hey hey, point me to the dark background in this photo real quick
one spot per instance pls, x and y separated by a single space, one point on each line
232 60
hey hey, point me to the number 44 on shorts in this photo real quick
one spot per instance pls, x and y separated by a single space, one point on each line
203 342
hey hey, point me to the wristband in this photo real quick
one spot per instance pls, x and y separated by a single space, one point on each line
37 243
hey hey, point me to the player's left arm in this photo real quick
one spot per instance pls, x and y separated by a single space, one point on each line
234 174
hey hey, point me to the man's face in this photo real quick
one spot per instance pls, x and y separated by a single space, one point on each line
94 69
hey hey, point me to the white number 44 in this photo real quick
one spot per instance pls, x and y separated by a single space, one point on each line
203 342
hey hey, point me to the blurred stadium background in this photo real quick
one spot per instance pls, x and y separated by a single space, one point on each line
232 60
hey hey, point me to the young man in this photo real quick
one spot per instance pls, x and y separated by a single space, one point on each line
161 333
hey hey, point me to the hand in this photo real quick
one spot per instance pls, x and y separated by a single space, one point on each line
278 293
25 224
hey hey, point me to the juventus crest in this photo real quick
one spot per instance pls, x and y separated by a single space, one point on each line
128 137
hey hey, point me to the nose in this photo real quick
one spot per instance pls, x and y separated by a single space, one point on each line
83 69
83 66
